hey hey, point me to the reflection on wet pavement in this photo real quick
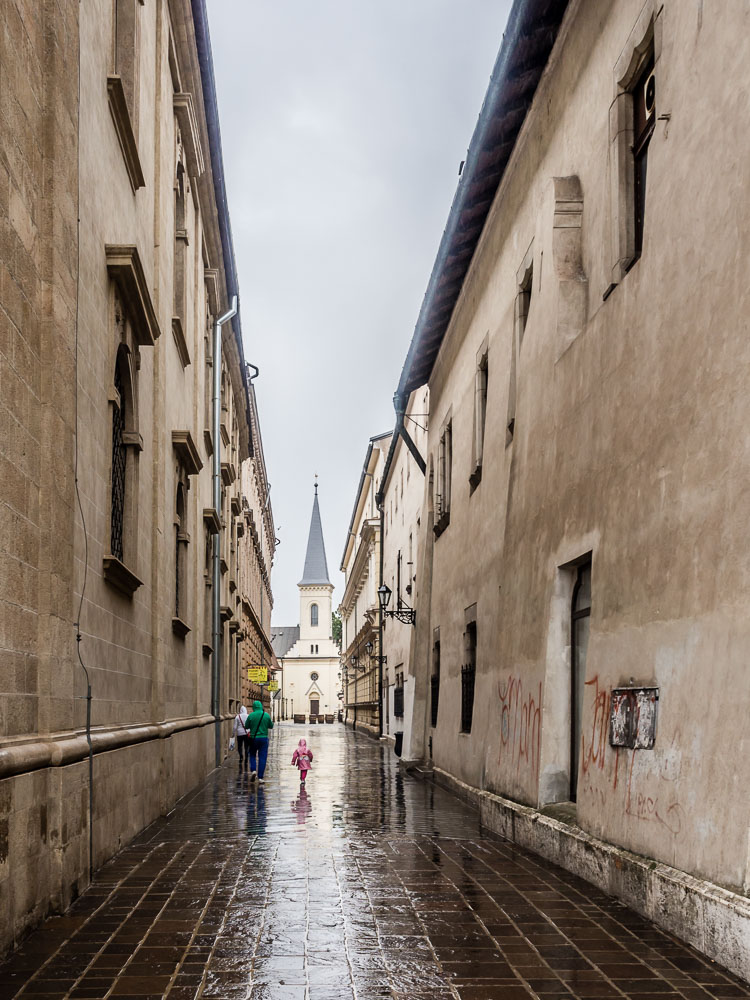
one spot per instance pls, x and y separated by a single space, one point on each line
364 884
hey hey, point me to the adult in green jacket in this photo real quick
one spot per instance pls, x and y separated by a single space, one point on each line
257 724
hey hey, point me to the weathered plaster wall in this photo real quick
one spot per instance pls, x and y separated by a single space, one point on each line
630 443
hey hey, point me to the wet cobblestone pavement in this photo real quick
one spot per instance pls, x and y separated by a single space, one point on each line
367 884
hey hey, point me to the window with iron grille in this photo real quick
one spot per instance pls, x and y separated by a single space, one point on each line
435 684
468 675
119 459
398 701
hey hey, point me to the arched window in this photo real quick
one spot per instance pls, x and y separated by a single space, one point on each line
119 463
179 553
313 614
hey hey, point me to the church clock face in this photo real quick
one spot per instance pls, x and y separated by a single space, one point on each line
313 676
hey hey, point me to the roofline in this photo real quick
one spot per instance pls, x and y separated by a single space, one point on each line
358 494
211 111
532 25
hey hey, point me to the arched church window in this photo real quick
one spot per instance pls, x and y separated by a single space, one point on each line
313 614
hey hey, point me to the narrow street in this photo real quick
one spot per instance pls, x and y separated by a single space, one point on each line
368 884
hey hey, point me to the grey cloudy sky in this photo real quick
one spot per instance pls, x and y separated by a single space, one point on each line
343 124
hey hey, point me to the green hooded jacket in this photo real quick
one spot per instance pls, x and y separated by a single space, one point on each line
258 720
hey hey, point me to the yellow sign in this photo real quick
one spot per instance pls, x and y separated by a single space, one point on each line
257 675
273 685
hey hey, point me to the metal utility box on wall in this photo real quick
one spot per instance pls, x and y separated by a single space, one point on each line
632 719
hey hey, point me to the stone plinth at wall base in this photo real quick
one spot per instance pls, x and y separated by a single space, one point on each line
713 920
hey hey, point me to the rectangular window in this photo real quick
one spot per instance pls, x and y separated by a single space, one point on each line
480 414
644 119
468 676
435 680
525 280
445 463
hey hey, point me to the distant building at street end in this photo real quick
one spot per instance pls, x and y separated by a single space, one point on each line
360 564
582 636
306 653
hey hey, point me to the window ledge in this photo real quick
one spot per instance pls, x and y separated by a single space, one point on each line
212 520
442 523
118 108
119 576
179 627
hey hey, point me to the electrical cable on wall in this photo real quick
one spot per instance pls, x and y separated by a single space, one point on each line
78 494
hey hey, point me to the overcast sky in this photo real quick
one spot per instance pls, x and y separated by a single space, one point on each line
343 125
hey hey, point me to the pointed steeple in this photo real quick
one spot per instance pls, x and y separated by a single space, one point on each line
316 566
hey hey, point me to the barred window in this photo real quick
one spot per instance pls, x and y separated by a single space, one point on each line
119 461
468 677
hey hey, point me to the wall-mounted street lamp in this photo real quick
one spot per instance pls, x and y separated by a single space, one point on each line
403 612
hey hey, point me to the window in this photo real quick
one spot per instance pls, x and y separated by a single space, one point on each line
313 614
180 560
468 676
525 280
435 679
313 676
480 414
123 85
580 617
445 464
119 464
644 119
398 694
632 119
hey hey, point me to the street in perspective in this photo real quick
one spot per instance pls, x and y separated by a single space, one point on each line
374 464
361 883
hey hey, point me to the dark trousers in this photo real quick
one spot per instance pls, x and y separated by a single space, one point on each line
259 747
243 747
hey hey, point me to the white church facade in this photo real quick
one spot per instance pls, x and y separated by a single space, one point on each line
307 654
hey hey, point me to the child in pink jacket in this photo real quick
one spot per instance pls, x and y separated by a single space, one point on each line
302 757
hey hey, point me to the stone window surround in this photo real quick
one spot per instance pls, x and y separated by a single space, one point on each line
123 87
524 280
645 36
120 573
444 474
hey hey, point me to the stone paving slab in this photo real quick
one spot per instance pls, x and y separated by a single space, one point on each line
365 885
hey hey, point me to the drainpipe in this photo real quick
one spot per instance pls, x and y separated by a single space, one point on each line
216 567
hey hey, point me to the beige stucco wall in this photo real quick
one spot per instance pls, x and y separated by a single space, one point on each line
630 443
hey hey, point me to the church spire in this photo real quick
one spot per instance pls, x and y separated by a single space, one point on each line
316 566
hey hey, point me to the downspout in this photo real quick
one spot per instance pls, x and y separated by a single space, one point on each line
216 561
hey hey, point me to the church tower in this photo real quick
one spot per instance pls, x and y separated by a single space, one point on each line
307 654
315 587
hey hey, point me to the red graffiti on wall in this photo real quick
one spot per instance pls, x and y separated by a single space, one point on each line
520 724
594 754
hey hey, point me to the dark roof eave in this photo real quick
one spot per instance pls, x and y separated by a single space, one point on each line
529 38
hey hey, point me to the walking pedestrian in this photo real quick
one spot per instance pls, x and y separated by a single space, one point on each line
258 724
239 731
302 758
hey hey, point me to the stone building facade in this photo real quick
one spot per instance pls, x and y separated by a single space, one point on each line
256 545
106 364
401 494
583 554
359 608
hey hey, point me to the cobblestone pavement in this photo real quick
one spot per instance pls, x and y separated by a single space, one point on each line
366 885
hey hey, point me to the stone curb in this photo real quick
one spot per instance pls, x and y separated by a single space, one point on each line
714 920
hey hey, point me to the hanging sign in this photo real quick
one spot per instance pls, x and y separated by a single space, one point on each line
257 675
273 685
